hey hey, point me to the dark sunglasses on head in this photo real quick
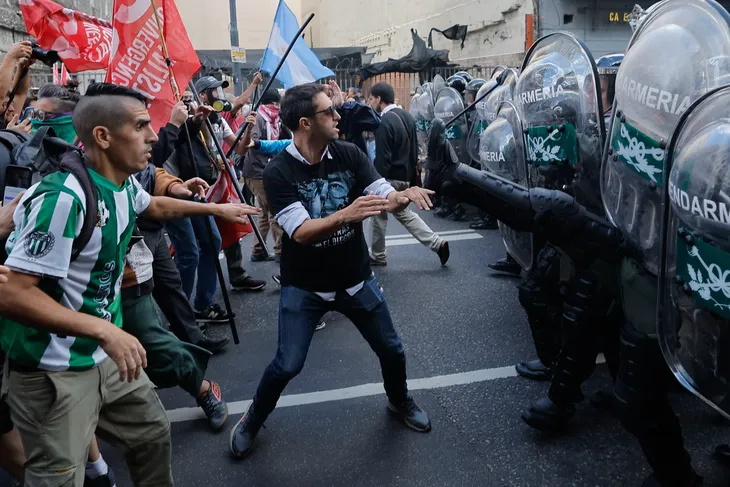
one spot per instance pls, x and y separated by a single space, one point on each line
329 111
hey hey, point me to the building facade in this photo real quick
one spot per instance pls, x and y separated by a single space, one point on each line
497 29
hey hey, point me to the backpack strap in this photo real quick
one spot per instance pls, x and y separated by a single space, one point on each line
26 153
74 164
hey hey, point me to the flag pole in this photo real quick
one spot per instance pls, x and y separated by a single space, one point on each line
255 107
191 155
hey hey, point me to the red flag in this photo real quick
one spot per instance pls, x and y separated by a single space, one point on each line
64 74
137 60
223 191
83 42
55 73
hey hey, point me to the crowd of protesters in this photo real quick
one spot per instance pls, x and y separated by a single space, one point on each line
80 332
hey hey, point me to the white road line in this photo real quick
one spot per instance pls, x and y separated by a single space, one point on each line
450 238
364 390
448 232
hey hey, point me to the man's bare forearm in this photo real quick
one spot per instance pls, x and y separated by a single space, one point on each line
315 230
164 208
27 304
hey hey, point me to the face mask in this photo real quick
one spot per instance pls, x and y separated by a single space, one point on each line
62 126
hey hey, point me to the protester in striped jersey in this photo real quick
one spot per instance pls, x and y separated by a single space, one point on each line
63 319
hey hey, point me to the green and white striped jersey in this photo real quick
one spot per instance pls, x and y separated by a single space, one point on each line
50 215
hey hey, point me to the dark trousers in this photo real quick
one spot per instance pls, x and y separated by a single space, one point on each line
170 361
299 313
168 292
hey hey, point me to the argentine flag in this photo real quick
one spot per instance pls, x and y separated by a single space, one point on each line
301 65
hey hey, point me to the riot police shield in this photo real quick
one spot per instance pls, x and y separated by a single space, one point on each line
694 296
501 153
448 104
691 40
439 83
558 96
486 109
422 110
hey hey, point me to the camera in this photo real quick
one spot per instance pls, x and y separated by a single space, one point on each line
46 56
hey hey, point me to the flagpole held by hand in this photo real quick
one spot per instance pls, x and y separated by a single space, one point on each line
255 106
191 155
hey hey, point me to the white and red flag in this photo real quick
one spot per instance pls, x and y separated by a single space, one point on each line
83 42
137 58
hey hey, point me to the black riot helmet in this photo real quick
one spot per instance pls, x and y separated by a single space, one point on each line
474 85
457 82
472 88
467 77
607 70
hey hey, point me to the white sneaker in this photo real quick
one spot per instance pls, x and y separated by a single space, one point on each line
321 325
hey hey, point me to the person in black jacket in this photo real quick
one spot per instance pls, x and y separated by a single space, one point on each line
396 159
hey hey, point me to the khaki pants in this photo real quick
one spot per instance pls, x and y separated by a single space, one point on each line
265 221
57 413
410 220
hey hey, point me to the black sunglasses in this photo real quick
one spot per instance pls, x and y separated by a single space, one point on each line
329 111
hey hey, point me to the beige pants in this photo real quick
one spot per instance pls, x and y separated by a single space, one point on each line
266 220
410 220
57 413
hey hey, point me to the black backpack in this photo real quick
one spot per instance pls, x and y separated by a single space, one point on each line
45 153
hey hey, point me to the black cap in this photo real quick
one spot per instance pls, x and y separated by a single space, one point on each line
208 82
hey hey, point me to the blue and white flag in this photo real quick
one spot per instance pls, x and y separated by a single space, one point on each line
301 65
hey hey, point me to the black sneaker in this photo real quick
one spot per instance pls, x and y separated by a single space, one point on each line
243 435
277 278
106 480
213 405
248 283
413 416
214 314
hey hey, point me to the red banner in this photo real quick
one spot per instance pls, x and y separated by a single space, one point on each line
137 60
83 42
223 191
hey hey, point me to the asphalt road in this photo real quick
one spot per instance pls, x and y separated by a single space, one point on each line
463 331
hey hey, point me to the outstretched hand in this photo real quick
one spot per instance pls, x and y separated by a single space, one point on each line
417 195
236 212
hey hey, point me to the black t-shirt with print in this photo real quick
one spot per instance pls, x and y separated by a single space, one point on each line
341 260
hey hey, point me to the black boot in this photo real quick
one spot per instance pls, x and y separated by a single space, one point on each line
243 435
412 415
486 223
458 214
547 416
534 370
508 265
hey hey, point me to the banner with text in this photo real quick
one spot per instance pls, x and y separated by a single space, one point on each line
137 59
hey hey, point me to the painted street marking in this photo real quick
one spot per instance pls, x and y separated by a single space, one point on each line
364 390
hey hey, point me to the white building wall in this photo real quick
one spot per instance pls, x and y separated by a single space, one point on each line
496 27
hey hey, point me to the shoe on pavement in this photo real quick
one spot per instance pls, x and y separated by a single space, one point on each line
443 252
378 263
277 278
261 258
320 325
214 314
213 345
213 405
106 480
545 415
412 415
485 224
506 265
534 370
243 435
248 283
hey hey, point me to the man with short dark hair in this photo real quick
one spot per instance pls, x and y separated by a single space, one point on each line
62 318
396 159
321 189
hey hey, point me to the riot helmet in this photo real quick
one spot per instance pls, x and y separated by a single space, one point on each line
456 82
472 88
607 70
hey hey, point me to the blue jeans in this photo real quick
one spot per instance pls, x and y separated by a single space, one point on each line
299 313
194 252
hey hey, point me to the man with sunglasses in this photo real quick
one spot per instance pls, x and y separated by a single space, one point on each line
321 189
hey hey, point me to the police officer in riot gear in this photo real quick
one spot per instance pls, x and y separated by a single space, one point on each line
646 169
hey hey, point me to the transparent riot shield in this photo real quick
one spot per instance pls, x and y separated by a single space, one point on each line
448 105
501 152
694 295
438 84
675 56
486 110
559 99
